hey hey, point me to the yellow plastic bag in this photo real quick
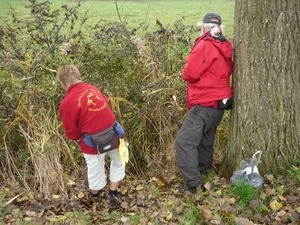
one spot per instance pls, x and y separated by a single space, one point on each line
123 151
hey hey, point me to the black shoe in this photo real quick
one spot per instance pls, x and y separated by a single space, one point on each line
203 188
192 190
114 199
96 196
187 189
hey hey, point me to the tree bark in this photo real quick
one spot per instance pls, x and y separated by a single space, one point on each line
265 113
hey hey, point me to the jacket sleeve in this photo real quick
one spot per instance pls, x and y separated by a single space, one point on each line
70 123
198 61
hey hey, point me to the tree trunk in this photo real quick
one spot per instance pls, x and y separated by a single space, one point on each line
265 114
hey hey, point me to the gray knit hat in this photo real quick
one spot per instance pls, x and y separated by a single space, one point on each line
212 18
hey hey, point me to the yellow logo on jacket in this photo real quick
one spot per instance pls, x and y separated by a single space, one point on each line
93 100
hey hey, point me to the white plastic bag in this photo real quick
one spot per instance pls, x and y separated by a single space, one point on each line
248 172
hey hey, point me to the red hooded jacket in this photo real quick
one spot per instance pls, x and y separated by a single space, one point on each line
85 110
207 70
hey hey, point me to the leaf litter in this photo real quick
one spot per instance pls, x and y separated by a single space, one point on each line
155 200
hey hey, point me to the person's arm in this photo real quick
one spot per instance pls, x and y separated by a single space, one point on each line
197 62
69 118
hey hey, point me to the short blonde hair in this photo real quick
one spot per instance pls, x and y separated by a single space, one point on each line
68 75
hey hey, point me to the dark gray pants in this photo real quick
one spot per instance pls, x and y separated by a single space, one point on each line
194 143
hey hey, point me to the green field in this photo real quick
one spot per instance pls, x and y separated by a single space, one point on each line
148 11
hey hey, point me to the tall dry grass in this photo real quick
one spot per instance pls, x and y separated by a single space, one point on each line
43 151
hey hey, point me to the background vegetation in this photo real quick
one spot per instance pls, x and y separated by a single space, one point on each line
135 57
134 52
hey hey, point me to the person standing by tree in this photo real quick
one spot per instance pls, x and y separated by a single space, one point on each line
85 110
207 71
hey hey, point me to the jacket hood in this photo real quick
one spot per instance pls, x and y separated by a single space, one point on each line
221 43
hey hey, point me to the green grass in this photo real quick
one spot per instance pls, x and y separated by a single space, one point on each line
148 11
244 193
192 214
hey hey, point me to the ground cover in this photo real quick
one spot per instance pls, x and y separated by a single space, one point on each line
154 199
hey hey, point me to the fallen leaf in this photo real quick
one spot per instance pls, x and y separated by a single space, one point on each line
144 220
173 177
215 222
275 205
56 196
71 182
208 186
124 205
263 196
139 202
80 195
169 216
170 202
281 213
124 191
28 218
12 199
218 192
232 201
230 209
280 197
243 221
269 177
271 191
31 213
282 216
160 184
139 187
255 203
207 214
155 179
294 215
291 199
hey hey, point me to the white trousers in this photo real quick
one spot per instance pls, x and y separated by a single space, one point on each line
96 169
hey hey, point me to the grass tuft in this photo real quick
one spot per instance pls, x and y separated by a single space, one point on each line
244 193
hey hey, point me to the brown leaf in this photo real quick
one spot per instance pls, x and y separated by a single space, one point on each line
144 220
255 203
269 177
179 209
230 209
294 215
124 205
207 214
208 186
291 199
243 221
215 222
282 216
139 202
31 213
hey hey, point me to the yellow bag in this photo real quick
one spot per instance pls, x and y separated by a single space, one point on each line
123 151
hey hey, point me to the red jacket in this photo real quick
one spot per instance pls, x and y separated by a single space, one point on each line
85 110
207 70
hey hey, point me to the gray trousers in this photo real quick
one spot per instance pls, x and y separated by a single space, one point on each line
194 143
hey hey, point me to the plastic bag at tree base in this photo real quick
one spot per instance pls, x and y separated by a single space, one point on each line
248 172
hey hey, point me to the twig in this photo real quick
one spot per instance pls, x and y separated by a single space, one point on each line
118 10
